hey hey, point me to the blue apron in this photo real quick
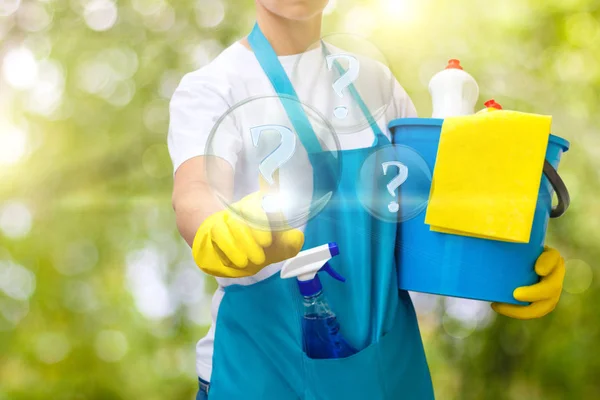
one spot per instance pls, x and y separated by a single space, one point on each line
258 335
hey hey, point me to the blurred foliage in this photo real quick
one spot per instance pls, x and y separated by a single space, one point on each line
98 296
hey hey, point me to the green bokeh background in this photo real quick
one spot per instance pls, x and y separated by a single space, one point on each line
99 298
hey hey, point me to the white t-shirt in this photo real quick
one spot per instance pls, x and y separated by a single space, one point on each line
203 101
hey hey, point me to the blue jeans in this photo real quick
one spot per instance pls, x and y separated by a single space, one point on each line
203 389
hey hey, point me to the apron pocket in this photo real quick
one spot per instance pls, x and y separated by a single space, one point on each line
392 368
360 376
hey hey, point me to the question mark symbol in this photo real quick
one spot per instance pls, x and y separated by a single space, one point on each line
395 183
275 160
345 80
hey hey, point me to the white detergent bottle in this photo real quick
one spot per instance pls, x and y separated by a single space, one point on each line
453 91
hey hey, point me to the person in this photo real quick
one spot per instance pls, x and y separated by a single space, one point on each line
253 348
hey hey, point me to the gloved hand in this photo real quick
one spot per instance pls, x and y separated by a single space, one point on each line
543 295
227 246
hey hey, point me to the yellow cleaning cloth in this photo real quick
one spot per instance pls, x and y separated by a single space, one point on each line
487 175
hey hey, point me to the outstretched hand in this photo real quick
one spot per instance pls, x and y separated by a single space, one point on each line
227 245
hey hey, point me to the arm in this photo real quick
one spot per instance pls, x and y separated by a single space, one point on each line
193 198
223 243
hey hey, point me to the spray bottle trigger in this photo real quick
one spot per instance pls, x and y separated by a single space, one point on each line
334 274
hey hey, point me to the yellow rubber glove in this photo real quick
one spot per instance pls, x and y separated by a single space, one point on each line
227 246
543 295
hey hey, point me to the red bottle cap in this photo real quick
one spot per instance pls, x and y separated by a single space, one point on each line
492 104
454 64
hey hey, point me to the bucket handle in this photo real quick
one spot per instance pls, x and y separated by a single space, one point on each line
564 199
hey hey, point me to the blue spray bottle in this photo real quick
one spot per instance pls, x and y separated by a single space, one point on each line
320 328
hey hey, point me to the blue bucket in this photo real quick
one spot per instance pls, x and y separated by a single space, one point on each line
461 266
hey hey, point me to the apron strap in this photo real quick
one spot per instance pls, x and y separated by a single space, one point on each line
267 58
283 87
358 99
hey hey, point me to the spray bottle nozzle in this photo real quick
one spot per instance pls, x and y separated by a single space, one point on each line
332 272
334 250
307 264
313 286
